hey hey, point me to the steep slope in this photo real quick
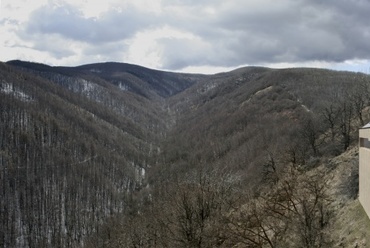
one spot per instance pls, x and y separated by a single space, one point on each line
351 224
74 148
250 163
81 144
242 118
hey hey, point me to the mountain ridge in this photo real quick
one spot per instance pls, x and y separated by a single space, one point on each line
102 140
115 73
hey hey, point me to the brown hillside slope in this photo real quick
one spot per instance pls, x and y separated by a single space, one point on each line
351 227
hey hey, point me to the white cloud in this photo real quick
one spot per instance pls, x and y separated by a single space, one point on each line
186 34
149 47
19 9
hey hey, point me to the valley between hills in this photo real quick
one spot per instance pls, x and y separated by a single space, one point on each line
118 155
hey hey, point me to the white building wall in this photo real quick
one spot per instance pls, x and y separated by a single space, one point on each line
364 169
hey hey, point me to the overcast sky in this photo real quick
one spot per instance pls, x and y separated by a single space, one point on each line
189 35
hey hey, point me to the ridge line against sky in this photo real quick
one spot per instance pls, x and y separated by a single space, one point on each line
205 36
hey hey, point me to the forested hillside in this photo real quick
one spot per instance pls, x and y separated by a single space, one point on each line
74 147
117 155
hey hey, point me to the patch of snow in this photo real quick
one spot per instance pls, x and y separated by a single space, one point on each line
305 108
87 87
207 87
84 87
9 89
240 80
96 70
123 87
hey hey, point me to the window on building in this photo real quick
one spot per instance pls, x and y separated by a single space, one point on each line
364 142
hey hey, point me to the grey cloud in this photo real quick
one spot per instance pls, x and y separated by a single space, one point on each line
70 23
238 32
113 51
179 53
294 31
58 51
9 21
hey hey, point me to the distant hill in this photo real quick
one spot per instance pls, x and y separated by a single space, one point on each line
137 79
89 152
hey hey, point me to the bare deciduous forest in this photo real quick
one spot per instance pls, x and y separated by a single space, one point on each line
117 155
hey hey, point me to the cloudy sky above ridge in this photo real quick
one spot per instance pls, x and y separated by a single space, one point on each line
189 35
